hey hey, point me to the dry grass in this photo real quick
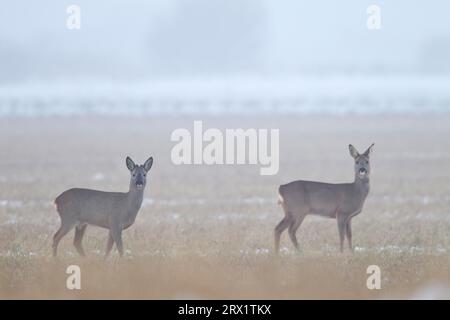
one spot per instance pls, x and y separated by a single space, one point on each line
207 231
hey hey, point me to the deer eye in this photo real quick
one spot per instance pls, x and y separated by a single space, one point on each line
134 174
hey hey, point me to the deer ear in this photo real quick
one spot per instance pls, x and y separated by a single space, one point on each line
130 164
353 152
148 164
369 150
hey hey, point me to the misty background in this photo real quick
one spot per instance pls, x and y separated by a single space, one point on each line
254 50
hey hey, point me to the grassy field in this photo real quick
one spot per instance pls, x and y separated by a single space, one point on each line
207 231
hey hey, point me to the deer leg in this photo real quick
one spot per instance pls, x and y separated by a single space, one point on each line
79 234
293 227
342 226
109 245
63 230
279 230
349 234
116 233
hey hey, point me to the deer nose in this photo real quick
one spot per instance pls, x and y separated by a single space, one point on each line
363 171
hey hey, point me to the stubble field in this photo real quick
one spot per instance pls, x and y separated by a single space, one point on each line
207 231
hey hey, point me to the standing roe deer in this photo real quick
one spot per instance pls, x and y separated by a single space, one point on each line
340 201
115 211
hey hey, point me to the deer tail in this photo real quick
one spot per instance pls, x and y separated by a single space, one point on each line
280 197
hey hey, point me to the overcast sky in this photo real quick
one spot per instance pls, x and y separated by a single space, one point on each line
137 39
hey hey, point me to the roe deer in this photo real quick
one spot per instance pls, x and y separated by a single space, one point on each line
115 211
338 201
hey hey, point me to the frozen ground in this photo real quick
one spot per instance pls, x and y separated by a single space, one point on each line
207 231
294 95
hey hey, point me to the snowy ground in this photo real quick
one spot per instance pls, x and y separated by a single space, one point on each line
242 95
207 231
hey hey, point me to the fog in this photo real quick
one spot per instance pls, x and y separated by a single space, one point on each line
135 40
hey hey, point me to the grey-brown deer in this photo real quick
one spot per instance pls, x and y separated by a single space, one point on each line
341 201
115 211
